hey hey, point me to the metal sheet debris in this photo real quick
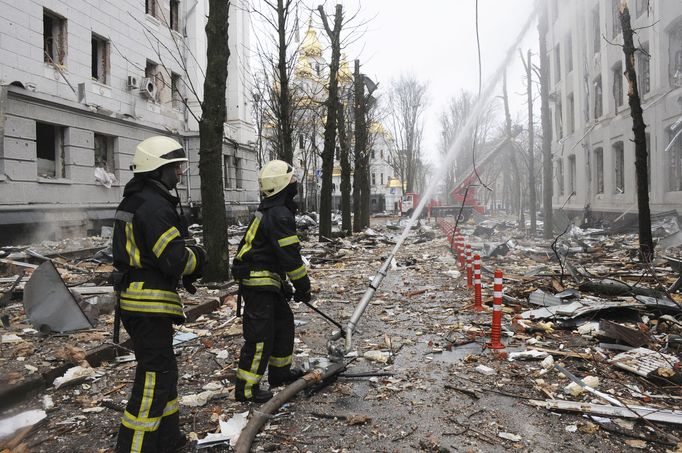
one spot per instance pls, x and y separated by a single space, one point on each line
49 304
632 411
643 361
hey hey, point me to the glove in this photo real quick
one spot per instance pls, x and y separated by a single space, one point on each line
188 283
200 255
288 291
302 296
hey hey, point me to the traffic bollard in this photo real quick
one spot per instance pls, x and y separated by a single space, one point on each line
478 298
496 331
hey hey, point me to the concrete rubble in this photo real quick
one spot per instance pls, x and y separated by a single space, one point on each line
419 375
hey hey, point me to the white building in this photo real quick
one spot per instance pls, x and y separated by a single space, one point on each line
83 81
592 127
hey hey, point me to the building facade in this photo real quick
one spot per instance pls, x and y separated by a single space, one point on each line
83 81
593 148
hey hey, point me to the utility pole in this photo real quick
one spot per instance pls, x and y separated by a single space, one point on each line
646 244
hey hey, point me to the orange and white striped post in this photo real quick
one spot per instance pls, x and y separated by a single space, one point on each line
478 298
470 270
460 251
496 331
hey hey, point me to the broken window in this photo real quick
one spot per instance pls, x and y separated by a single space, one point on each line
381 154
599 170
619 167
557 64
54 38
571 174
382 179
596 30
569 54
598 103
238 177
617 73
643 70
675 39
104 152
560 175
227 181
150 7
571 114
558 119
100 59
174 15
615 12
674 161
176 91
232 172
372 154
374 179
152 71
50 150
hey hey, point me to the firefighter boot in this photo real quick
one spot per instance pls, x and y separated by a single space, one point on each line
257 395
281 376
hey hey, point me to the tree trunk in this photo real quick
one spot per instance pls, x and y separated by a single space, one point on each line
516 179
286 153
361 191
325 228
532 197
344 142
547 183
646 245
211 147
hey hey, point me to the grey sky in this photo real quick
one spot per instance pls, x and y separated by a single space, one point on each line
436 41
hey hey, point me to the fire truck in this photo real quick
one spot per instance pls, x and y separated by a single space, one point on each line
410 201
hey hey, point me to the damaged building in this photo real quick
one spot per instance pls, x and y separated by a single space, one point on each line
82 82
594 155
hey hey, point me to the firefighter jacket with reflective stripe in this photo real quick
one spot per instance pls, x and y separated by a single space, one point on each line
270 249
149 247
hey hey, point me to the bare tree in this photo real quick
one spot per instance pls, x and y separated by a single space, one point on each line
646 245
515 179
344 132
407 103
334 35
528 66
211 149
547 186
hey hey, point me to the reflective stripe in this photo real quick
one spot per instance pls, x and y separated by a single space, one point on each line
255 363
142 423
158 301
164 240
298 273
250 235
124 216
288 241
265 281
171 407
248 376
497 307
191 263
131 247
152 307
497 294
279 361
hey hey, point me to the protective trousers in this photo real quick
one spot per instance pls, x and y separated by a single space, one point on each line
268 326
151 422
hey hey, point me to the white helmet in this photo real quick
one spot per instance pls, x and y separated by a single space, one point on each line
274 177
156 152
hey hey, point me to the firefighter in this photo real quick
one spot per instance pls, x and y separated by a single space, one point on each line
269 253
149 250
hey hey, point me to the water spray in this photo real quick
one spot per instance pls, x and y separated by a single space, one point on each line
334 350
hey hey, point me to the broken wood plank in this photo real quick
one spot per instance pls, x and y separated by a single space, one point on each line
575 355
18 263
633 337
653 414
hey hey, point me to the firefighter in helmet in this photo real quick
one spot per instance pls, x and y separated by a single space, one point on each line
269 253
149 250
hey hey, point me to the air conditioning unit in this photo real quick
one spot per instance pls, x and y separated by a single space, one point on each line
133 82
148 88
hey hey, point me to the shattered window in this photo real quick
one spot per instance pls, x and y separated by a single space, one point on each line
558 119
50 150
100 59
618 85
227 172
643 70
615 10
174 15
571 174
104 152
598 102
150 7
676 54
619 167
374 179
674 161
571 114
599 170
176 91
560 175
54 38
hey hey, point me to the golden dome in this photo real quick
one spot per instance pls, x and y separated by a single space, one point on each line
311 46
304 68
345 76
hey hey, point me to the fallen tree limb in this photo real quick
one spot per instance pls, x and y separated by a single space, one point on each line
260 417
